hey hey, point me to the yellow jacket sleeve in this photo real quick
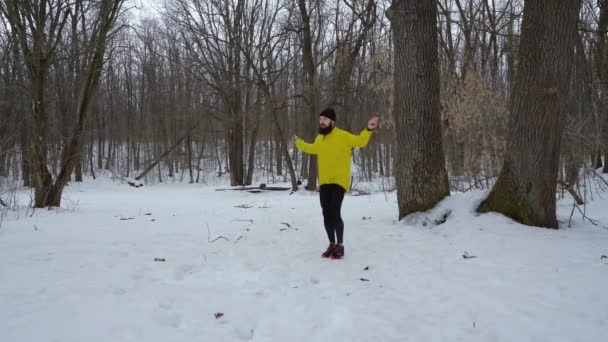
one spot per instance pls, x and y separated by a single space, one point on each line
360 140
308 148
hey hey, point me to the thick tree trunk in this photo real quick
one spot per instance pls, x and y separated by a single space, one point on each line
199 157
91 164
3 163
109 156
78 170
602 67
311 90
380 160
525 188
41 176
169 163
285 151
422 180
279 156
235 152
252 144
189 156
25 154
100 150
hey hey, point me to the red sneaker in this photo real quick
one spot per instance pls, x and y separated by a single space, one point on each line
329 252
338 252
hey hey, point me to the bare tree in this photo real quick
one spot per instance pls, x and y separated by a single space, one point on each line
350 41
99 22
422 180
602 71
264 60
38 26
525 189
216 31
311 88
44 21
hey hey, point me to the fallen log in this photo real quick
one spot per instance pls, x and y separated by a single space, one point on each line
261 187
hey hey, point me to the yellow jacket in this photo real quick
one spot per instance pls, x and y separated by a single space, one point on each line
334 153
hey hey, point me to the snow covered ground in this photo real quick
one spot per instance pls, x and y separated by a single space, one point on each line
87 271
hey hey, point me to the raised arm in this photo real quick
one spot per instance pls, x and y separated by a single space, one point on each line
306 147
362 139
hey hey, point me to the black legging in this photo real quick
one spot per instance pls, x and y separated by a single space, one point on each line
331 196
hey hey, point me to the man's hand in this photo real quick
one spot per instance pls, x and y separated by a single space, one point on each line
373 122
295 137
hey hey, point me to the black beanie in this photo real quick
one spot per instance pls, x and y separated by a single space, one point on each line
329 113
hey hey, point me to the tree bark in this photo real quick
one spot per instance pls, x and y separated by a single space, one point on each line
311 89
252 145
25 155
525 188
602 71
422 180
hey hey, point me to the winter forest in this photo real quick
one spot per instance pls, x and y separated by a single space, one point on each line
147 155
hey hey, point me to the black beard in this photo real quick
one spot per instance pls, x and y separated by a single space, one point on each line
325 130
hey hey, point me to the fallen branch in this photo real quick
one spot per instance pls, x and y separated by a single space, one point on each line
260 187
467 256
135 183
250 221
239 189
219 237
209 236
288 227
170 149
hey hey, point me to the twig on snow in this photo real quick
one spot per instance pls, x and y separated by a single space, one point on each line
209 235
238 220
467 256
